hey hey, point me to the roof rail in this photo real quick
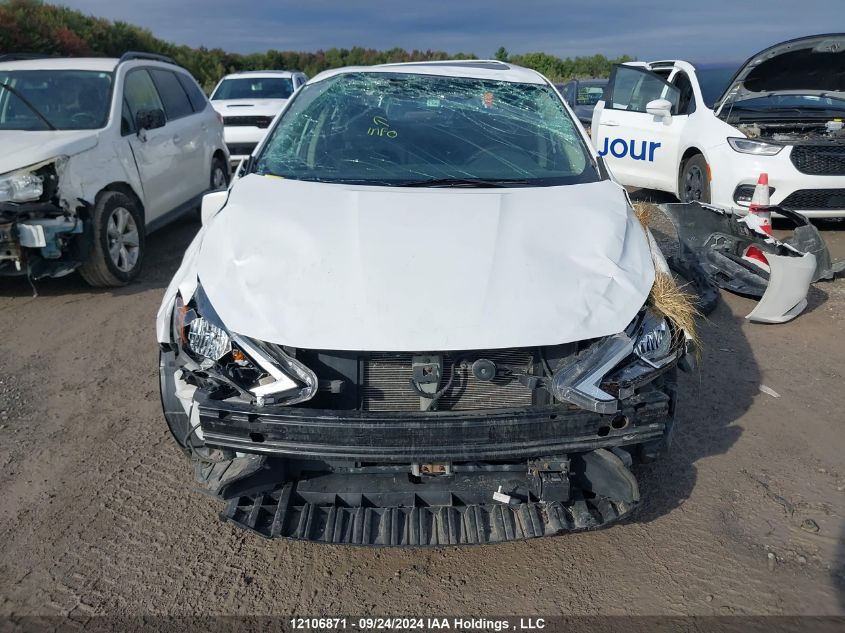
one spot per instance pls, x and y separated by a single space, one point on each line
16 57
132 55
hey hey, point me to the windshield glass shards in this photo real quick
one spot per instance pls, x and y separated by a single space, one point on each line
54 99
412 130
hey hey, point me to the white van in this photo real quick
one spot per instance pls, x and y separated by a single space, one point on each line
707 132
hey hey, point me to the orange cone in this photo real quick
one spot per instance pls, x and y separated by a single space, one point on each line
762 219
760 204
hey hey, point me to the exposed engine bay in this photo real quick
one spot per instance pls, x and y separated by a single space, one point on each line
793 132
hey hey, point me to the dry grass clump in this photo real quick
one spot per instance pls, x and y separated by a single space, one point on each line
666 297
678 306
644 212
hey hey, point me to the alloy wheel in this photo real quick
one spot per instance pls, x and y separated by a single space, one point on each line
123 242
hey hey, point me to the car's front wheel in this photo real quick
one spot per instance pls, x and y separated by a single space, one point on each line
219 174
117 246
694 185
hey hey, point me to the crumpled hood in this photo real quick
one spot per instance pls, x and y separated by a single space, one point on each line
342 267
808 65
249 107
22 148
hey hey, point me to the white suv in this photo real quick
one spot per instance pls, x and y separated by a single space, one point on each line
96 153
248 103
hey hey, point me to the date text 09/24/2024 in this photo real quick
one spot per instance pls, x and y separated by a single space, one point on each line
408 623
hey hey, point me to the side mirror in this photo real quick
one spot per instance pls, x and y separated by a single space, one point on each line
150 119
212 203
661 108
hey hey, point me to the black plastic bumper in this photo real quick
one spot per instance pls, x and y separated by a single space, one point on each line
390 510
453 436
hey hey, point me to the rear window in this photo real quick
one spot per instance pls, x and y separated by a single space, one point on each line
589 94
176 102
195 94
254 88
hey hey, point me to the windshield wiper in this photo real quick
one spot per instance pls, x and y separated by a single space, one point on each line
29 105
462 182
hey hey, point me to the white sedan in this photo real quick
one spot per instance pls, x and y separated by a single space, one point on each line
706 133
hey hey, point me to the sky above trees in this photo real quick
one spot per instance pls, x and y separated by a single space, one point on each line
715 30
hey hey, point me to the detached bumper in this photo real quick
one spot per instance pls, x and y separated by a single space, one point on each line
448 436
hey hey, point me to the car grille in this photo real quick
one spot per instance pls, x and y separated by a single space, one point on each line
819 160
386 383
241 149
815 200
248 121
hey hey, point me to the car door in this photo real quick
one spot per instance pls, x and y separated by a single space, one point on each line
155 153
187 134
641 149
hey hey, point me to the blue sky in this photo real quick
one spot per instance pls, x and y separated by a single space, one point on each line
708 30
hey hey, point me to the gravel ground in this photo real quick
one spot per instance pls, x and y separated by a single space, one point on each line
745 516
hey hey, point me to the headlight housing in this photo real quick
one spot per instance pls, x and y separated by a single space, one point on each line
654 344
612 367
253 368
749 146
21 186
207 340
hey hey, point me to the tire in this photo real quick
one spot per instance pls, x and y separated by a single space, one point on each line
117 246
178 421
219 174
694 185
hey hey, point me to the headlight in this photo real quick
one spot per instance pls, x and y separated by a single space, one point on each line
265 371
760 148
579 381
199 335
21 187
208 340
654 344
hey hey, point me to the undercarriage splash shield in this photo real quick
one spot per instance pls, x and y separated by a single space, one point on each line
711 246
386 509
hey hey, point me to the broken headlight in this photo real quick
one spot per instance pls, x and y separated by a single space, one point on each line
654 344
21 187
36 182
199 336
207 340
760 148
254 368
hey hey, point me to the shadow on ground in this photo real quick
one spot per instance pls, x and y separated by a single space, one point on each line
711 399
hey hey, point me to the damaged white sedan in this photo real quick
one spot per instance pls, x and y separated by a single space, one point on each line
422 314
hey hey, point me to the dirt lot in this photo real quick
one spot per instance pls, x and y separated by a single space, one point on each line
746 516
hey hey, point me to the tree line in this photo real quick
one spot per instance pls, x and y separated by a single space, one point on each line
32 26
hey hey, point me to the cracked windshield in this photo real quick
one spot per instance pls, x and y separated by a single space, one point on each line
426 130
